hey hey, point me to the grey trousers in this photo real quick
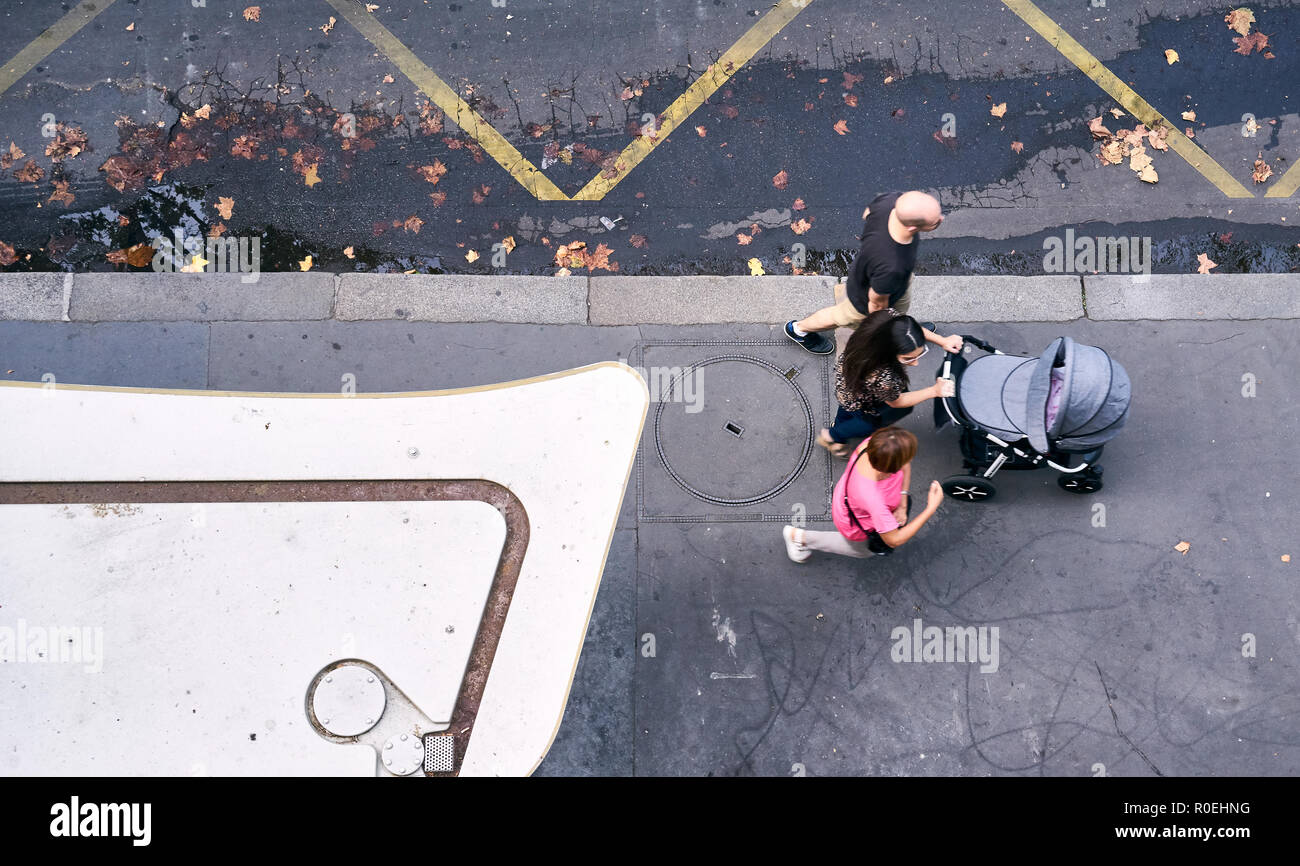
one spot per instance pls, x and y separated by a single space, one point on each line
834 542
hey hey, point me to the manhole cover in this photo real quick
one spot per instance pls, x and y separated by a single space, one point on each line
745 440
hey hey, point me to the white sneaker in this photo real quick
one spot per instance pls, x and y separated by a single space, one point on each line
793 549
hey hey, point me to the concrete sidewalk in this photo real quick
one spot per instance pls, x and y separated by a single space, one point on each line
709 652
616 300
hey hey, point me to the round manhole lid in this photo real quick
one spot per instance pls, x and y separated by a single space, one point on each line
734 430
348 700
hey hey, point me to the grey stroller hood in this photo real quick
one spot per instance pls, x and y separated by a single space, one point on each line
1070 398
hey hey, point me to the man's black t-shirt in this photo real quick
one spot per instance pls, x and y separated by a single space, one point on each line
882 264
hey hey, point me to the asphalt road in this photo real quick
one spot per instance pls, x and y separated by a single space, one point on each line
568 86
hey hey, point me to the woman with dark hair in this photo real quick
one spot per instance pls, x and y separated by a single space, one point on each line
867 506
871 378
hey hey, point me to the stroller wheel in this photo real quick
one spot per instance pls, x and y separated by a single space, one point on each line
969 488
1081 484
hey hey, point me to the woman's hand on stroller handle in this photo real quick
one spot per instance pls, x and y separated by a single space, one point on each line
944 387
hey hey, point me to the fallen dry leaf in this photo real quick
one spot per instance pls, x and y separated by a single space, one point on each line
1286 557
850 79
471 256
349 252
1205 264
1251 127
29 173
1112 153
1240 20
780 179
432 173
998 110
1182 547
13 154
253 13
305 264
68 142
1148 175
138 256
638 241
851 100
798 204
61 194
744 240
702 131
1115 112
1017 146
7 255
755 268
225 206
388 79
841 127
326 28
1254 42
509 243
1171 56
1098 130
204 112
1263 171
1138 159
310 177
413 224
1189 115
1189 132
438 198
800 226
600 259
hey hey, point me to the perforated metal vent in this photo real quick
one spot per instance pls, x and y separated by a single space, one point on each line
439 753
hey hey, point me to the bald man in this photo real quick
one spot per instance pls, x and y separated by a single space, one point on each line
881 271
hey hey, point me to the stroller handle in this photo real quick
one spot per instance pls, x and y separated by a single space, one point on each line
978 343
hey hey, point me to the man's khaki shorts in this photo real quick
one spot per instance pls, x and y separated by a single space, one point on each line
848 316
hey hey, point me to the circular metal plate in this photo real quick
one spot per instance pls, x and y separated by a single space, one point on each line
403 755
742 438
349 700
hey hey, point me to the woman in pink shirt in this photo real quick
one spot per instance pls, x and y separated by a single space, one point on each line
867 505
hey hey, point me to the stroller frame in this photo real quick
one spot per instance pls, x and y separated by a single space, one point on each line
984 455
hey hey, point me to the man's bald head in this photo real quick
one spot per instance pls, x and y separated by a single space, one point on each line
919 211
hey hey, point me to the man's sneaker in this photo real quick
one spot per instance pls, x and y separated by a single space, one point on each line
815 342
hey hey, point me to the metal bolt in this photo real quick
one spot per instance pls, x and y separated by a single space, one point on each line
412 452
329 679
388 745
370 679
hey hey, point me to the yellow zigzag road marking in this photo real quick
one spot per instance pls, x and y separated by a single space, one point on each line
705 86
1286 185
493 142
496 145
42 46
1127 97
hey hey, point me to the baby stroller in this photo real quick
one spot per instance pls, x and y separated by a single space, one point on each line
1016 412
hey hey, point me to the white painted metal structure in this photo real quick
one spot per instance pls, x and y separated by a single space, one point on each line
215 617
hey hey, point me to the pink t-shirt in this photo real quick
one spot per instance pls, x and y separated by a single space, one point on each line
873 501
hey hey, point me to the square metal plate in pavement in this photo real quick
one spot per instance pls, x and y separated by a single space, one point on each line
731 432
